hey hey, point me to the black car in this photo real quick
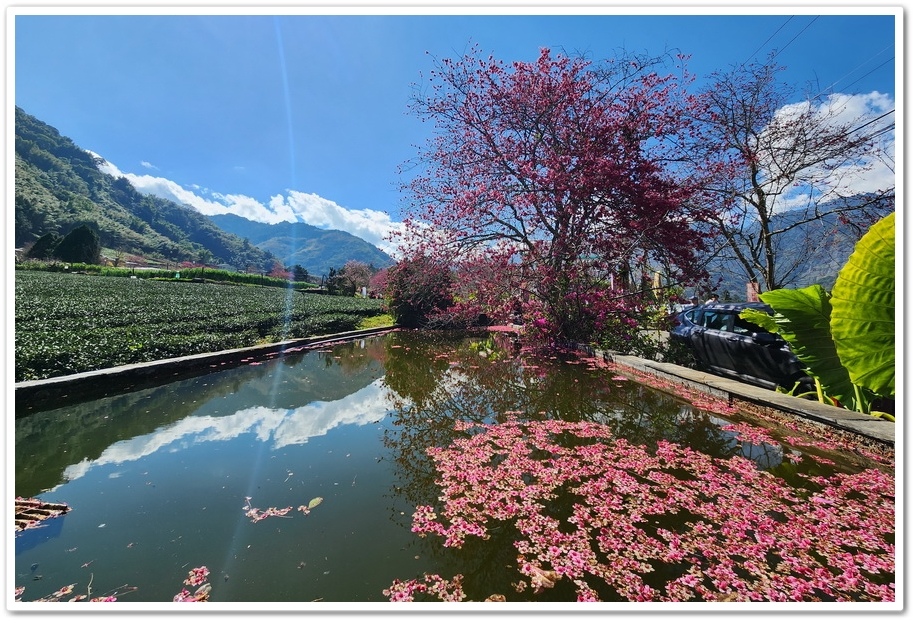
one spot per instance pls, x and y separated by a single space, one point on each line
723 343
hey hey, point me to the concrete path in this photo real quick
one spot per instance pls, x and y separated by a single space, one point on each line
876 429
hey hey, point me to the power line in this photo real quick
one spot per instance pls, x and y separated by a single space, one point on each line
767 41
808 25
883 130
867 123
796 36
871 72
841 78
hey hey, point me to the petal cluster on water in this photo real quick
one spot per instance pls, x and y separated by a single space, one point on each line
627 522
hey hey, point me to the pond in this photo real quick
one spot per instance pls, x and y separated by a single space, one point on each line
308 478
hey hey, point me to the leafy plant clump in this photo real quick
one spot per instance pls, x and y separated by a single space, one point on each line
418 289
845 338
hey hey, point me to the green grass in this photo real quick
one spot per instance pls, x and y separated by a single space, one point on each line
68 323
383 320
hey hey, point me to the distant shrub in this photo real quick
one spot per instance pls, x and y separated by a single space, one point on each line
44 247
80 245
417 289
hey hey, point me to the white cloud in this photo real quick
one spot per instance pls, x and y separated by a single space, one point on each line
373 226
865 114
370 225
278 427
148 165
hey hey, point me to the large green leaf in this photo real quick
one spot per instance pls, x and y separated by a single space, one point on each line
863 318
803 320
760 318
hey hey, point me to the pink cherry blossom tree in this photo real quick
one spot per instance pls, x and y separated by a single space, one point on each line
378 283
555 186
356 275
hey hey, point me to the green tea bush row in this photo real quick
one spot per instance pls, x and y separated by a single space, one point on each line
67 323
186 274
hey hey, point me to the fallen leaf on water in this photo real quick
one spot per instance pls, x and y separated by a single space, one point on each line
315 502
202 593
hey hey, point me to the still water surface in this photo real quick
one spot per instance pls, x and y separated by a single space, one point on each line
159 480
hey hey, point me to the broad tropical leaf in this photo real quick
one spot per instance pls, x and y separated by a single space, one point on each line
863 318
761 319
803 320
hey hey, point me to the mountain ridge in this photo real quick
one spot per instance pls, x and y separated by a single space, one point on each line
311 247
809 254
59 187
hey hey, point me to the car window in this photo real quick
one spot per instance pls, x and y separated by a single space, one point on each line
716 320
744 327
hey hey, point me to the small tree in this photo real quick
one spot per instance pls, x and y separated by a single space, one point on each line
356 275
278 271
45 247
301 274
417 289
80 245
335 283
378 283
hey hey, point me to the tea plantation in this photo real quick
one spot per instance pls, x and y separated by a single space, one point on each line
68 323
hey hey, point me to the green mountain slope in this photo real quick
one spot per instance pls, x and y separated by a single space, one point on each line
59 187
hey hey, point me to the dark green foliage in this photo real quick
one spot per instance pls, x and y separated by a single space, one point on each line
68 323
301 274
337 284
80 245
44 247
211 275
417 289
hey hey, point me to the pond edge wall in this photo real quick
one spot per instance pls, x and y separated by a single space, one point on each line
38 395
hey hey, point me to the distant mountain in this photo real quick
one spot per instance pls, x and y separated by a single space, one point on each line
818 249
58 187
315 249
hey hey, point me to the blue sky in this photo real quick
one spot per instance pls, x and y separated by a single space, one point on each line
305 116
